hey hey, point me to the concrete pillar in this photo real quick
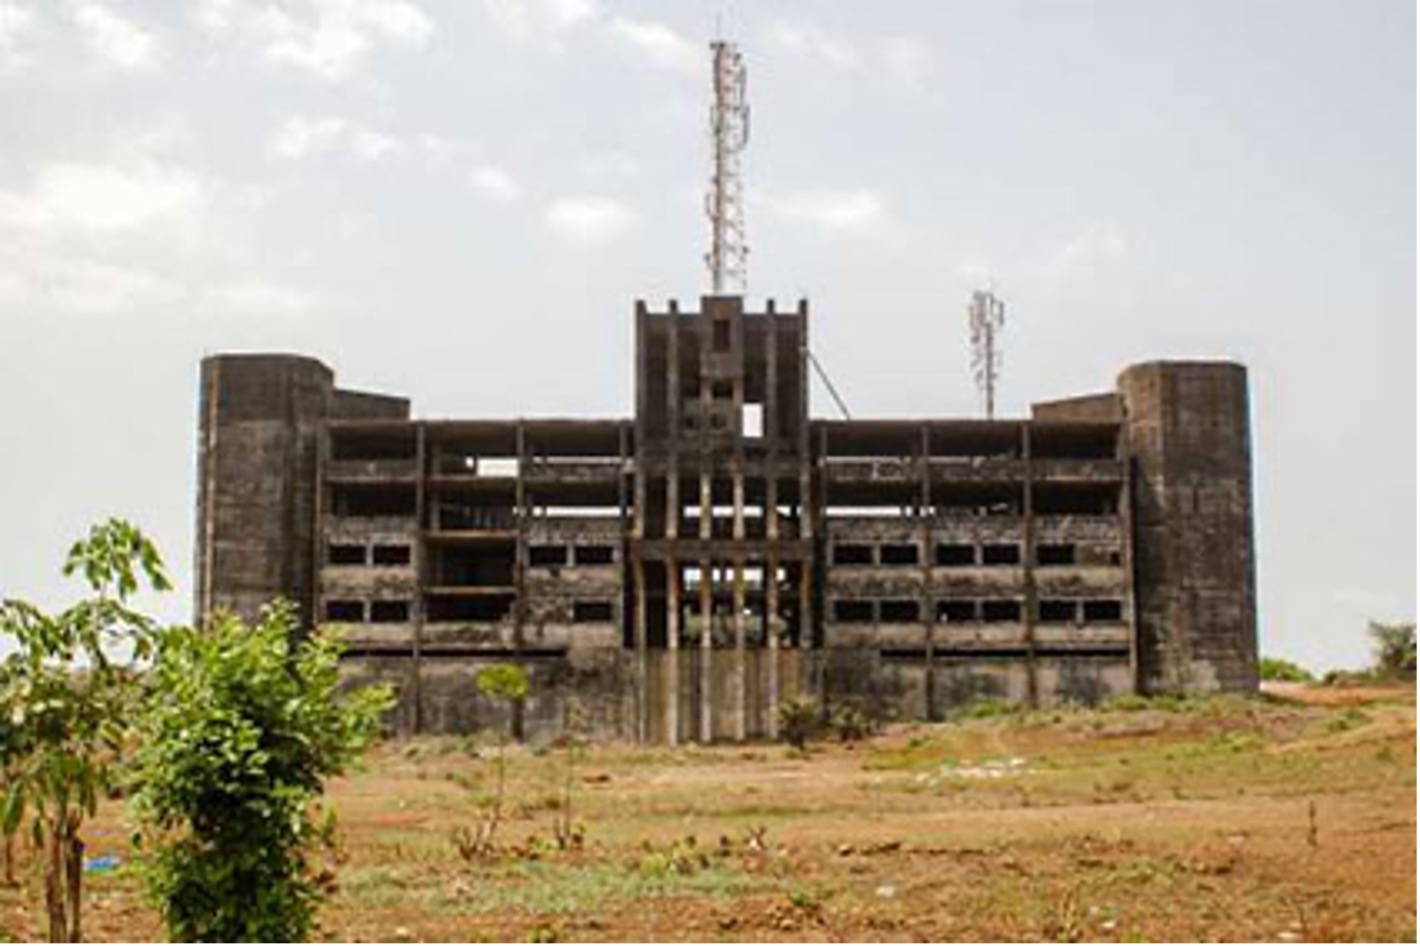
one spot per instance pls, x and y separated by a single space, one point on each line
771 640
707 619
672 652
638 578
739 692
1188 437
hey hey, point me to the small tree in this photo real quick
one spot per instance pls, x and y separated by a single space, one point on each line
1394 649
799 719
242 726
70 701
567 832
506 684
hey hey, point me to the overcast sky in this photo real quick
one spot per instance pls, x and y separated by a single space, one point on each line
460 201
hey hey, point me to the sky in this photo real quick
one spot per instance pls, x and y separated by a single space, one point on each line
460 201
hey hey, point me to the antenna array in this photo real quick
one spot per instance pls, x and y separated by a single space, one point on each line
987 315
724 204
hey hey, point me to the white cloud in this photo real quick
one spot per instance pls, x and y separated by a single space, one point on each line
300 137
850 212
540 20
589 219
660 44
82 287
114 38
95 197
810 41
1083 252
257 298
329 37
907 60
14 20
495 184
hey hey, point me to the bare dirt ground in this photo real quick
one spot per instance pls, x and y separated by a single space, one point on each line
1290 817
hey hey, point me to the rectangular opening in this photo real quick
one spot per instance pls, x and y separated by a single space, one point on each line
1057 612
853 612
363 500
591 612
344 554
479 608
348 612
391 555
1000 554
956 554
899 554
474 566
1103 612
547 556
1001 612
389 612
898 611
1055 554
722 335
593 555
849 554
752 422
956 612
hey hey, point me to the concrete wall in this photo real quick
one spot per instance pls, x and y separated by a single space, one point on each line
1189 439
259 420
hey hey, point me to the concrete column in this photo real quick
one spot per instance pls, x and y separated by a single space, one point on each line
638 577
706 504
740 691
771 640
672 653
707 618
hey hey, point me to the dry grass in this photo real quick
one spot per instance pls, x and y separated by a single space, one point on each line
1177 821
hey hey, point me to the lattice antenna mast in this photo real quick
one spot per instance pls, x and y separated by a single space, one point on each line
724 204
987 315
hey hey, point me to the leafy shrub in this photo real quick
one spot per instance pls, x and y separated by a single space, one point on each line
986 708
851 721
1283 671
242 726
1394 650
798 721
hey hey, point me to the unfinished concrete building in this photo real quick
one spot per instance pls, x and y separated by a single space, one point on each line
677 574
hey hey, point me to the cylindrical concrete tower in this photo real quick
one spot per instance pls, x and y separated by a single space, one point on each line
1188 435
258 441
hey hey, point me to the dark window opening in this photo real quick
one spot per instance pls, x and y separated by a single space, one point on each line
956 555
474 566
354 501
391 555
479 608
956 612
1000 611
846 554
722 335
722 390
346 611
593 555
591 612
1114 558
899 611
389 612
1057 612
853 612
347 554
899 555
547 556
1104 612
1055 554
1000 554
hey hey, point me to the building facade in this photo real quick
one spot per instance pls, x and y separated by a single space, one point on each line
674 576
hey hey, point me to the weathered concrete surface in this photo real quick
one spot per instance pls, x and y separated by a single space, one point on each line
674 576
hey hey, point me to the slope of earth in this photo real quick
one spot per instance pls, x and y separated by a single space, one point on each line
1283 818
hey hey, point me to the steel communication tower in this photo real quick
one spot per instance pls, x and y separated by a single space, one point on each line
987 315
724 204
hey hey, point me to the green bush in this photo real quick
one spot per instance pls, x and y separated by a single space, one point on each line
242 726
798 721
1283 671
